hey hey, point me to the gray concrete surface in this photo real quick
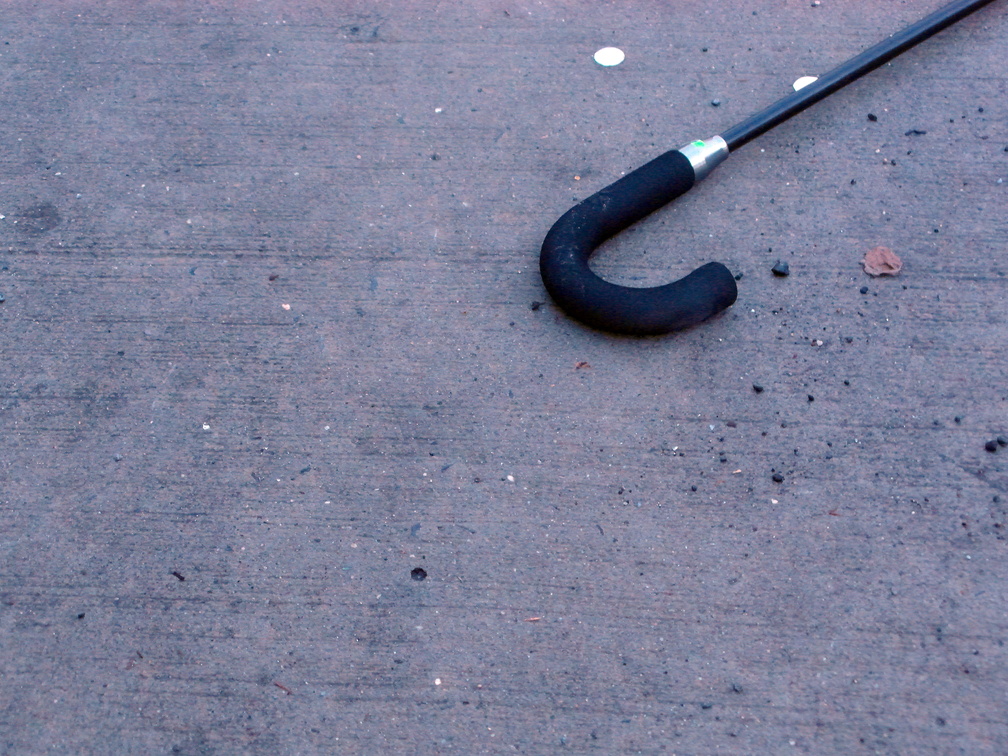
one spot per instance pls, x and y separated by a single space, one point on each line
269 347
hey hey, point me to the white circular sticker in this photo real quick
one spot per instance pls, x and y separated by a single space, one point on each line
609 56
804 81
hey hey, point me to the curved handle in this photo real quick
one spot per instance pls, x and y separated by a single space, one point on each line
563 261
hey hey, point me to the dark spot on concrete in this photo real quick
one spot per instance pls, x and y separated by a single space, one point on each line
915 132
80 616
418 573
179 575
38 219
535 306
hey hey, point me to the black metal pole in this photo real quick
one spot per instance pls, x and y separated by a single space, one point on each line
848 71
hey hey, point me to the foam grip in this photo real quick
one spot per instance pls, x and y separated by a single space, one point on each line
585 296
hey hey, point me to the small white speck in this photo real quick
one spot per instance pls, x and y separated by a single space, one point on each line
609 56
206 426
285 306
438 110
510 478
437 680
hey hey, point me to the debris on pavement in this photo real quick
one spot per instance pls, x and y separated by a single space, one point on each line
882 261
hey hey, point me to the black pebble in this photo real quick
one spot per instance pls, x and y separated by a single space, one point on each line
715 103
777 478
846 382
757 388
957 419
781 268
872 117
738 277
692 488
811 398
535 306
80 616
418 573
864 289
1002 441
1 297
991 446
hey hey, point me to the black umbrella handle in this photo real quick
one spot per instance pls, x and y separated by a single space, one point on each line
563 261
624 309
711 288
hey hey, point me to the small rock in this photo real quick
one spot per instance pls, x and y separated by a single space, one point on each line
915 132
693 489
781 268
1002 440
864 290
418 573
715 103
991 446
811 398
535 306
777 478
882 261
758 388
872 117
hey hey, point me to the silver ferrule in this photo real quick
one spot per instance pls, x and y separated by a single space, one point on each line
705 154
